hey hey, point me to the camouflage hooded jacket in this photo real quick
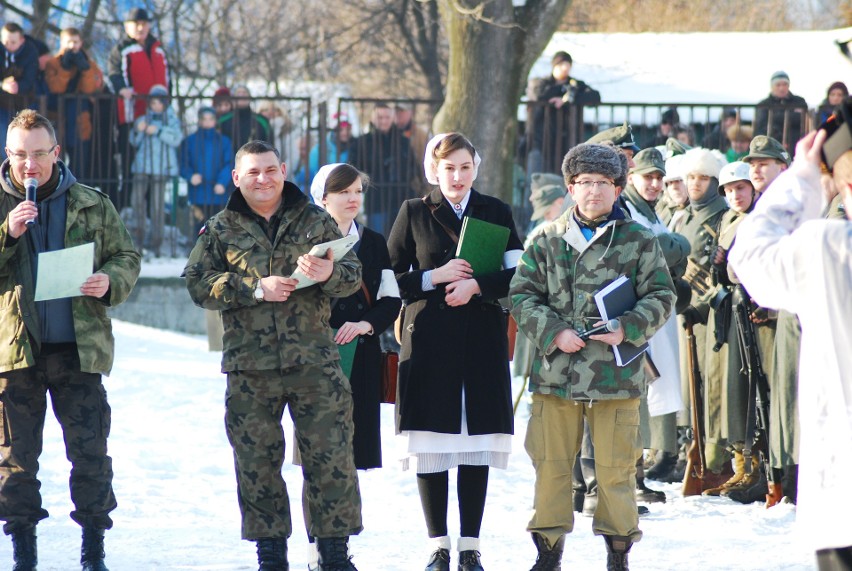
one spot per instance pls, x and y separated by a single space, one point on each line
553 289
91 217
233 252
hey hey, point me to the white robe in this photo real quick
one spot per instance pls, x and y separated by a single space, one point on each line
664 395
790 259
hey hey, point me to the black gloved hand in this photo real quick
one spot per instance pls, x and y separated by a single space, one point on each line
692 316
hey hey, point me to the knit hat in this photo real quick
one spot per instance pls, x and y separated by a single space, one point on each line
159 92
590 158
675 147
621 136
206 110
647 161
137 15
763 147
742 133
221 94
701 161
674 169
732 172
779 76
559 57
545 198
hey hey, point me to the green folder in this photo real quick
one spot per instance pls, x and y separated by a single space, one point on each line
482 244
347 356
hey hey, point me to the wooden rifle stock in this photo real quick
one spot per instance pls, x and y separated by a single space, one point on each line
693 480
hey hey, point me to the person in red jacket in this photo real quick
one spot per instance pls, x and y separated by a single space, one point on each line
135 65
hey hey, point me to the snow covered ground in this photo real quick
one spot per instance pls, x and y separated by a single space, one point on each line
177 503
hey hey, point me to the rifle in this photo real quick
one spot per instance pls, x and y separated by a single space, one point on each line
757 413
693 480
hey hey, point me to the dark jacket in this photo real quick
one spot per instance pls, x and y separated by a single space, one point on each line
210 154
243 125
446 348
139 67
366 379
774 113
23 66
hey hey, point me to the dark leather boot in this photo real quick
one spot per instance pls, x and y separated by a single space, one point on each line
752 488
440 560
663 469
272 554
579 486
617 547
643 492
469 561
549 557
24 552
92 551
334 554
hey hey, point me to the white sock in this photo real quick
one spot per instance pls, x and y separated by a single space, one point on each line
313 556
467 544
442 542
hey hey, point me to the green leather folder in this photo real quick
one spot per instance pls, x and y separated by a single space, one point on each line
482 244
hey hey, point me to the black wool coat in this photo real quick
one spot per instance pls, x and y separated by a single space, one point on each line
366 379
446 348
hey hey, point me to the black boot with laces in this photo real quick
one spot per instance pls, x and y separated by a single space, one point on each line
92 551
440 560
334 554
469 561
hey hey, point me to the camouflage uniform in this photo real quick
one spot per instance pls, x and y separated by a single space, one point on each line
553 289
277 354
70 372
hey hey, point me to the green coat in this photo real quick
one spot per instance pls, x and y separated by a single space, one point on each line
233 253
91 217
553 289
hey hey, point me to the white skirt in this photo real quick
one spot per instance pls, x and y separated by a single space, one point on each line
438 452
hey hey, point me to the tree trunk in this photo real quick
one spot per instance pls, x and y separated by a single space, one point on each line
493 46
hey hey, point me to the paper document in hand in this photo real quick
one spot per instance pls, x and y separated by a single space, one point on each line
61 273
482 245
339 247
613 301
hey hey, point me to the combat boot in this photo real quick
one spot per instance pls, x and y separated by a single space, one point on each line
334 554
469 554
663 468
617 547
24 552
272 554
92 550
549 557
646 494
739 473
752 488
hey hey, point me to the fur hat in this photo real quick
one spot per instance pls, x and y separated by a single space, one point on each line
701 161
596 159
739 132
674 169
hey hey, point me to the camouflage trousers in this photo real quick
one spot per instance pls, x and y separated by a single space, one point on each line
320 403
80 405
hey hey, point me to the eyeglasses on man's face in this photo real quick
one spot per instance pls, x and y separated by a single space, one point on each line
21 156
589 184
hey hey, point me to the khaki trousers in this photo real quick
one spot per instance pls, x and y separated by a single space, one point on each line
554 434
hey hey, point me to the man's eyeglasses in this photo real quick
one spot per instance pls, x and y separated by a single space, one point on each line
21 156
589 184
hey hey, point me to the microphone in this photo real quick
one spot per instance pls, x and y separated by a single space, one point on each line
31 185
608 327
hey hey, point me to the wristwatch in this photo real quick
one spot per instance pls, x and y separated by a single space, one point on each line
258 292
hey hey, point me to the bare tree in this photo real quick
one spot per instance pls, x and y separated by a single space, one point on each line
493 46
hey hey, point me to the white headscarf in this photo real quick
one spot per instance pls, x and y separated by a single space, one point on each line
318 184
427 159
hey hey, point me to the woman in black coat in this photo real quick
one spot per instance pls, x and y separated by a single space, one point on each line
364 315
454 400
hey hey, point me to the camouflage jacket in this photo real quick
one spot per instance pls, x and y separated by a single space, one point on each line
233 252
553 289
91 217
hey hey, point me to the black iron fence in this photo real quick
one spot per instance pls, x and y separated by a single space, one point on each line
166 174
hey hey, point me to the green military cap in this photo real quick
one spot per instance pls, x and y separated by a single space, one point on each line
621 136
647 161
540 180
763 147
545 198
675 147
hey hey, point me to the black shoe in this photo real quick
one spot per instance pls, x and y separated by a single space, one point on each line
440 560
92 551
663 468
272 554
749 490
24 551
617 547
549 557
469 561
642 510
334 554
647 495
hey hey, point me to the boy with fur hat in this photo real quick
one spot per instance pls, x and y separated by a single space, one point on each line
551 294
156 136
